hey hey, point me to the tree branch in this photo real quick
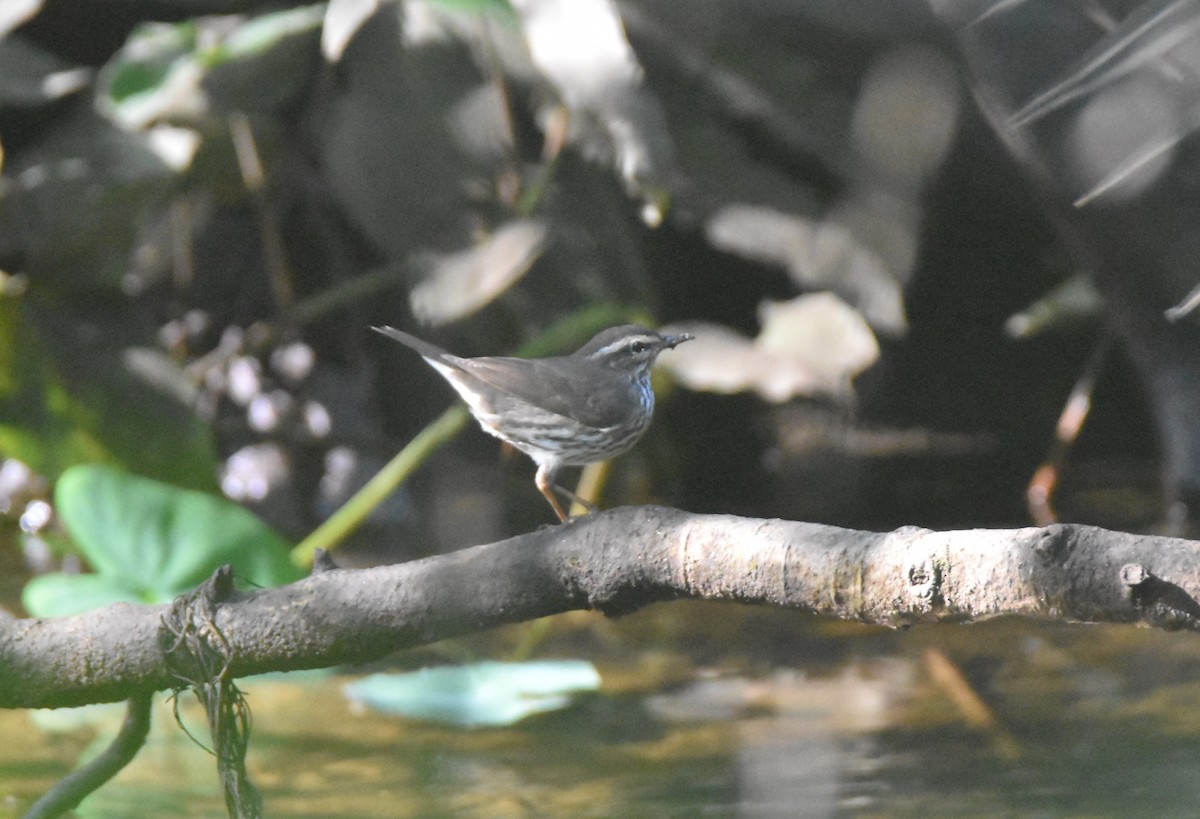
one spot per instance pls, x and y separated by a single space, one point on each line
617 562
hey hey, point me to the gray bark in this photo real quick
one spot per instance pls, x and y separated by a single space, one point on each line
617 562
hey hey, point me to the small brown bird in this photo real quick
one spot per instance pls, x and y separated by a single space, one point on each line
568 410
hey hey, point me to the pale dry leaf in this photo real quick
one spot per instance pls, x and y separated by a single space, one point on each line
822 337
813 345
823 255
906 115
343 19
461 283
579 46
15 12
717 359
834 259
759 233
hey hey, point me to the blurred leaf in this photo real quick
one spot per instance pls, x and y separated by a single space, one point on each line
72 203
261 34
66 400
149 542
821 332
389 113
818 254
265 62
906 116
30 76
59 595
581 49
343 18
1076 299
461 283
811 345
15 12
40 423
500 9
186 72
1149 32
150 54
483 694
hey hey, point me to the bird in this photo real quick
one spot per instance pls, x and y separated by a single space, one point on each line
571 410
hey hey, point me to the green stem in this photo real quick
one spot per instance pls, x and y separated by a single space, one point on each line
346 519
68 793
308 310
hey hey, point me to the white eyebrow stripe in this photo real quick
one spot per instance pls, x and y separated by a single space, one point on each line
623 344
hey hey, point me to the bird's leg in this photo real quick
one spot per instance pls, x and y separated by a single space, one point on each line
568 494
579 499
545 474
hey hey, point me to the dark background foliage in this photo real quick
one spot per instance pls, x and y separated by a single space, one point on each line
200 322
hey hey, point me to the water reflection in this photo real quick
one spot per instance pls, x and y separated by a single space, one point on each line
795 717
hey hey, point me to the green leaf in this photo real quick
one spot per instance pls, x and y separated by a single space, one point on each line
259 35
201 69
483 694
40 424
264 63
150 541
152 52
60 595
500 10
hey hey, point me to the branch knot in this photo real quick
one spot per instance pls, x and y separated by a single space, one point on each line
1054 543
1169 604
925 581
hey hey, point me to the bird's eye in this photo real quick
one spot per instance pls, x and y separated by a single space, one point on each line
638 347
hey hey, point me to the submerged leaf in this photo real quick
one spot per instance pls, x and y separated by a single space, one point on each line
484 694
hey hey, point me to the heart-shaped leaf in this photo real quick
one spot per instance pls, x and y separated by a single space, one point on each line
149 542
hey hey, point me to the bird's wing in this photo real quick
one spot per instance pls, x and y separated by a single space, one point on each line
596 401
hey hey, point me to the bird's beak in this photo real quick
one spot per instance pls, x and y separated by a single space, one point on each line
671 342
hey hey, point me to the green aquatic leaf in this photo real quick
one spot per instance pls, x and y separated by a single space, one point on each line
149 541
482 694
59 595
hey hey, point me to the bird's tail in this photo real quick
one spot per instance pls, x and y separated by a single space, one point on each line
424 348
